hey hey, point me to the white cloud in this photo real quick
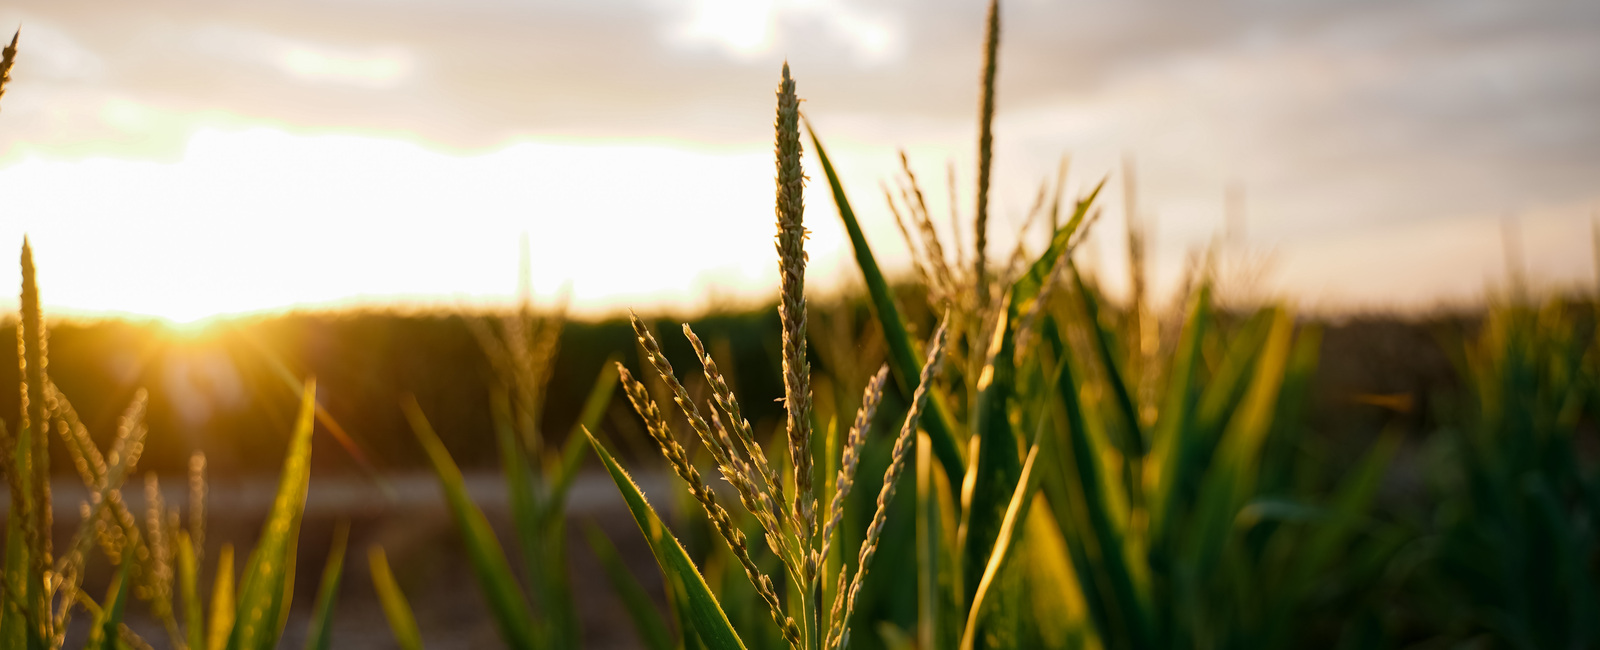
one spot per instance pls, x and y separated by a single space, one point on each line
366 67
750 28
54 54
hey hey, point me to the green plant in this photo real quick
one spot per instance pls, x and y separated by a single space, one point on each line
1514 554
42 591
522 354
793 528
1165 514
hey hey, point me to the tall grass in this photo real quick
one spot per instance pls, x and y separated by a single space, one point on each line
794 531
1154 506
521 350
159 558
1512 556
1158 513
1076 479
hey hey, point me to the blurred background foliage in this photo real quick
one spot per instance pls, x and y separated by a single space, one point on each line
225 387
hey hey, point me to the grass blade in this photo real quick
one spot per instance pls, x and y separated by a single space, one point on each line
1031 283
511 611
1232 478
709 621
265 590
521 493
1132 442
995 466
931 597
1173 437
220 624
647 621
1195 443
189 588
108 624
1077 493
1015 511
395 608
903 358
577 446
320 636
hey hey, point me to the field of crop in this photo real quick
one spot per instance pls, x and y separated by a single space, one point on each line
992 453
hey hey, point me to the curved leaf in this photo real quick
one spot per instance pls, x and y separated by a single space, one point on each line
647 622
511 611
320 636
266 587
710 622
395 608
903 359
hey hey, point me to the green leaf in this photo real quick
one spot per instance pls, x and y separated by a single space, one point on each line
1076 493
1132 443
647 621
511 612
995 467
107 631
594 409
1193 442
1021 498
1028 286
320 636
1230 480
709 621
931 596
266 587
994 464
903 358
1173 436
524 500
189 590
395 608
220 624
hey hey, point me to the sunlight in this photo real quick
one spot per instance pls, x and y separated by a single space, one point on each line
260 219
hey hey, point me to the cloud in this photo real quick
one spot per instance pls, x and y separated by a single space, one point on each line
374 67
1335 117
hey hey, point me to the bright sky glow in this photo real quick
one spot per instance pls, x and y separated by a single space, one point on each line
192 158
380 68
261 219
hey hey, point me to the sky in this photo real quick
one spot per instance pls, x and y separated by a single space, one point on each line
184 159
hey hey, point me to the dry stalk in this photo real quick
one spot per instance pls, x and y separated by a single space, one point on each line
659 431
850 456
844 601
197 505
991 49
917 264
772 496
792 309
8 57
31 349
